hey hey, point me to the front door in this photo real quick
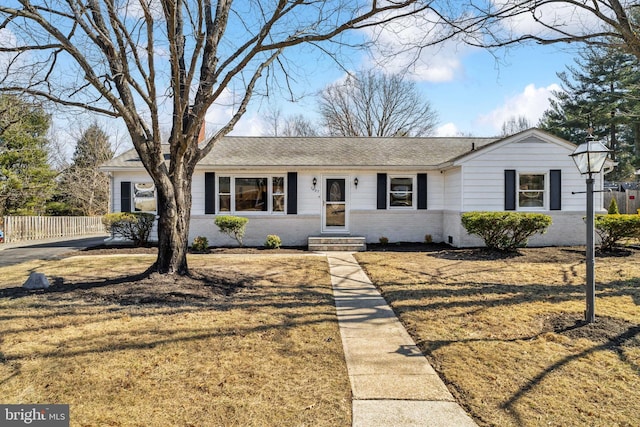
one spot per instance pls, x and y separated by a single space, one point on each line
334 210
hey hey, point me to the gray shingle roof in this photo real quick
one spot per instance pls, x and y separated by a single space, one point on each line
234 151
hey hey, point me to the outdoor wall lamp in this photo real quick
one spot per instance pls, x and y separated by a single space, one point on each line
314 182
589 158
355 182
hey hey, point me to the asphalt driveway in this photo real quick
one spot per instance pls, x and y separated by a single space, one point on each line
15 253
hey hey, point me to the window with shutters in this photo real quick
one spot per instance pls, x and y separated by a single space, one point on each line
245 194
531 190
401 192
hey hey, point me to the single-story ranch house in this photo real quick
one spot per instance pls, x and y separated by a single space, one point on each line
399 188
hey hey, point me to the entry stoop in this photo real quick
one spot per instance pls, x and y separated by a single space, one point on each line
337 243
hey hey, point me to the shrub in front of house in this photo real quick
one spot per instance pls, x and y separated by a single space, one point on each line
273 242
133 226
505 231
614 228
200 244
232 226
383 240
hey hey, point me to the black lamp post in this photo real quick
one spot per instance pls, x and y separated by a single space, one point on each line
589 158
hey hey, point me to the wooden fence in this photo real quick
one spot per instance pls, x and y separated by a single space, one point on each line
20 228
628 201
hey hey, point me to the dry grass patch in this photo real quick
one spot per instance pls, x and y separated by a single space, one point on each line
505 334
250 341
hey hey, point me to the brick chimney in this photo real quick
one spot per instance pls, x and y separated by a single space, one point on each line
201 135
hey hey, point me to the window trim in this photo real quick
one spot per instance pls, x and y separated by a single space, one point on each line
413 191
270 194
545 191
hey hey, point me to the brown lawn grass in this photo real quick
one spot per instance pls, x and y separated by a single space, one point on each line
487 326
268 354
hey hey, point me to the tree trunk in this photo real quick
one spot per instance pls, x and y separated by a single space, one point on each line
174 210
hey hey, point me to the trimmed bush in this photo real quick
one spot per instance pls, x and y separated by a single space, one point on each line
613 207
134 226
505 231
232 226
383 240
613 228
200 244
273 242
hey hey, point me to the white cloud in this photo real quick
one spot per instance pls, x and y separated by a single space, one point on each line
561 16
7 40
249 125
402 46
530 103
447 129
222 111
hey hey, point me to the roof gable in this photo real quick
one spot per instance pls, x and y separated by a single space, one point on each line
533 135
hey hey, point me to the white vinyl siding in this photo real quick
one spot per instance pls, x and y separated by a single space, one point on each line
483 180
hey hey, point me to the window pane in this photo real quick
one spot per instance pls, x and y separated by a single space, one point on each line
401 199
401 184
278 203
251 194
225 203
144 197
225 185
532 182
531 199
278 185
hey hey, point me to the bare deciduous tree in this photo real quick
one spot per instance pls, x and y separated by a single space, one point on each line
612 23
83 186
514 125
293 125
142 60
376 104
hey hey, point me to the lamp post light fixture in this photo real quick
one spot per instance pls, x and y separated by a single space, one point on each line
589 158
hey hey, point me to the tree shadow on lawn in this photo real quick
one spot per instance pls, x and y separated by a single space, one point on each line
145 296
143 288
629 336
608 333
486 295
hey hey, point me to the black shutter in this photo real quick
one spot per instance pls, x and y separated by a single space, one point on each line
292 193
509 190
382 191
555 187
209 192
422 191
125 196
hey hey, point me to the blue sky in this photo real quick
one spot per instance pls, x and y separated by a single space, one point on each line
474 91
476 94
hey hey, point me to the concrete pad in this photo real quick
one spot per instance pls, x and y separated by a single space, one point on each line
402 413
399 387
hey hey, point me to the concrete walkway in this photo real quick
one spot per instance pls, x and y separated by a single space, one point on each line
391 381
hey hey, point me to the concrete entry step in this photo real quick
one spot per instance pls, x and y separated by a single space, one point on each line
337 243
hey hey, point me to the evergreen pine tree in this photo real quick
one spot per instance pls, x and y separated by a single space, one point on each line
600 95
26 178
